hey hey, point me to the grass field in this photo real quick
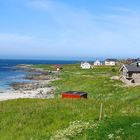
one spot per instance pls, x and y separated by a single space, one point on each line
58 119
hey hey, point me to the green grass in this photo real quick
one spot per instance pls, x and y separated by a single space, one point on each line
40 119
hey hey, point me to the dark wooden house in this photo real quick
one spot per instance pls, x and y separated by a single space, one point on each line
131 72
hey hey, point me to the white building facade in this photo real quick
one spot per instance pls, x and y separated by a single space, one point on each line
97 63
110 62
85 65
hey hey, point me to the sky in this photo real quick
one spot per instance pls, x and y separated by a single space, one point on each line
69 29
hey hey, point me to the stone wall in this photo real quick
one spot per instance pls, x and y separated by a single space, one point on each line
136 77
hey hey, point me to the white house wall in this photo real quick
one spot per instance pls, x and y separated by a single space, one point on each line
110 63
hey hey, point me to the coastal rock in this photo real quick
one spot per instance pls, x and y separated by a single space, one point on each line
115 78
38 77
29 86
37 85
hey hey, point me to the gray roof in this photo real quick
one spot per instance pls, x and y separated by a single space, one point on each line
110 59
136 63
132 68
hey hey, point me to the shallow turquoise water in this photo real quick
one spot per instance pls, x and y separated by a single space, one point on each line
9 75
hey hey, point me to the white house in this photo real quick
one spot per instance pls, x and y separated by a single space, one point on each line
97 63
85 65
110 62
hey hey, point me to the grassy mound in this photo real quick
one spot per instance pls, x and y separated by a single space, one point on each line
42 119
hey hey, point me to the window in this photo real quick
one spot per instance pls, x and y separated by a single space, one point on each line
129 74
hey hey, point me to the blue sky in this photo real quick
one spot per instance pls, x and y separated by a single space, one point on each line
69 29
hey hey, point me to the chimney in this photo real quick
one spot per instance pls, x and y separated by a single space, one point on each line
138 64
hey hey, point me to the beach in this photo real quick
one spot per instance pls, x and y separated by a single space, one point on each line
38 88
45 92
20 79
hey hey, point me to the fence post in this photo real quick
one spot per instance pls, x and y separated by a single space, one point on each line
101 112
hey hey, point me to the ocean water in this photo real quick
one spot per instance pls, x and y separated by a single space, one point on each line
8 75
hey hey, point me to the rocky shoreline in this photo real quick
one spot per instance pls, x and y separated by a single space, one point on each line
38 87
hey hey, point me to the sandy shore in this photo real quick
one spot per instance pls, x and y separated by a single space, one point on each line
45 92
39 93
38 89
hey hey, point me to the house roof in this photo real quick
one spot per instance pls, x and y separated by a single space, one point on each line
75 92
85 63
97 60
111 60
136 63
131 68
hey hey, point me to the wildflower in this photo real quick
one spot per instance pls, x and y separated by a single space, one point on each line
111 136
135 124
119 131
118 137
75 128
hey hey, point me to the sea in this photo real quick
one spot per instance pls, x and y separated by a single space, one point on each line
9 74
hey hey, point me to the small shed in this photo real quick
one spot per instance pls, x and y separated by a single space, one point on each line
74 94
57 67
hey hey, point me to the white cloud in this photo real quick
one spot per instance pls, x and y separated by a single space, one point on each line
76 31
87 34
123 10
11 38
40 4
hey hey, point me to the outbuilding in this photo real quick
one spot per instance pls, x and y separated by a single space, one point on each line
74 94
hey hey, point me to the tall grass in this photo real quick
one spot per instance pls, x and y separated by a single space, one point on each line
40 119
